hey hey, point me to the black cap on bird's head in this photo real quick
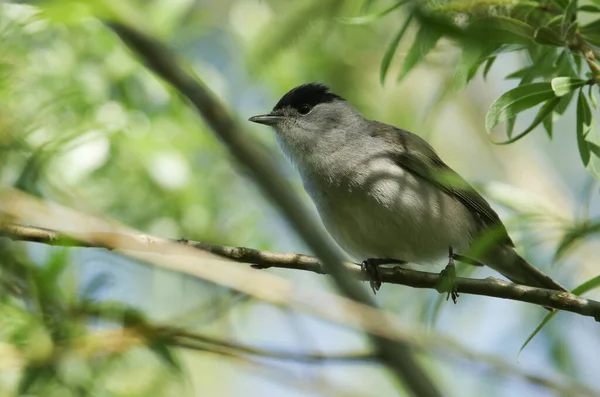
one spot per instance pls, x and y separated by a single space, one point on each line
300 100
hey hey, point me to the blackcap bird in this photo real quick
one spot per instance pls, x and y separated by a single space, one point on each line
384 194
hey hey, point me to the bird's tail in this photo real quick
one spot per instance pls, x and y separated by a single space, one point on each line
518 270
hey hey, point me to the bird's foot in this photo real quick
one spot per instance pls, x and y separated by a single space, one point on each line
447 280
182 240
370 267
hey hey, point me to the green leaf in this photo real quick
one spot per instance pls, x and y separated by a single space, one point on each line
579 290
592 97
165 354
425 41
548 125
583 126
570 13
564 103
563 85
575 234
391 50
488 66
515 101
589 8
510 126
573 62
543 113
591 28
594 148
502 30
537 329
364 19
470 60
547 36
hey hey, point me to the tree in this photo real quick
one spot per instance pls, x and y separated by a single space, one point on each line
90 127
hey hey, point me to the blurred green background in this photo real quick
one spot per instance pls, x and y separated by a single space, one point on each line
84 124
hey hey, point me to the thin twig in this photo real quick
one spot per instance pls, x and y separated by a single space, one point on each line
491 287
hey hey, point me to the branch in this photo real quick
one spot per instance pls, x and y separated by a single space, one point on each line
491 287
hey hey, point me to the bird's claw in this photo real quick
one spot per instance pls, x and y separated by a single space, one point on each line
447 280
370 268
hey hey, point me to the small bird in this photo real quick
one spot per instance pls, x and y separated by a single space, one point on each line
384 194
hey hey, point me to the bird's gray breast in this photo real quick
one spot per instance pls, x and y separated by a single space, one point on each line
375 209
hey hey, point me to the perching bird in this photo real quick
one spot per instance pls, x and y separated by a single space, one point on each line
383 193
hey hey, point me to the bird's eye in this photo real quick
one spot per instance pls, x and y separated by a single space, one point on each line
304 109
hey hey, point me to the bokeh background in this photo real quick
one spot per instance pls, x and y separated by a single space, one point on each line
83 123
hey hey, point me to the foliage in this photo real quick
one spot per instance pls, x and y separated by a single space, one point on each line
560 39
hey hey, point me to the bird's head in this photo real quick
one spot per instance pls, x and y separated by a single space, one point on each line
310 117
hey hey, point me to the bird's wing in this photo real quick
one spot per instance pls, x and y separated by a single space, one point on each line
414 154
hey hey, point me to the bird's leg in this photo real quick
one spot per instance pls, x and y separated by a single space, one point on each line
370 267
447 280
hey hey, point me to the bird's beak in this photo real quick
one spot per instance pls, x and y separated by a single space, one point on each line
266 119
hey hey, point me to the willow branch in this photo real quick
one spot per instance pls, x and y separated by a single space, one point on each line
490 287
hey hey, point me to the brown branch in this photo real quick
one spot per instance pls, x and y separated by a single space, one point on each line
491 287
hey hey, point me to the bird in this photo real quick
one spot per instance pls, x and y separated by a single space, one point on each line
384 194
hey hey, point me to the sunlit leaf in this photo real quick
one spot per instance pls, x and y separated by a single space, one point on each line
515 101
563 85
544 112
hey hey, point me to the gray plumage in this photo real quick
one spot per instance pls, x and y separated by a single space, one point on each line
383 192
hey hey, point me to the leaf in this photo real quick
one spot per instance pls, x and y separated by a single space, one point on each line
563 85
548 124
574 235
95 285
364 19
425 41
510 126
543 113
564 103
165 354
579 290
470 60
594 148
589 8
570 13
537 329
488 66
515 101
547 36
391 50
583 126
502 30
592 97
573 63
